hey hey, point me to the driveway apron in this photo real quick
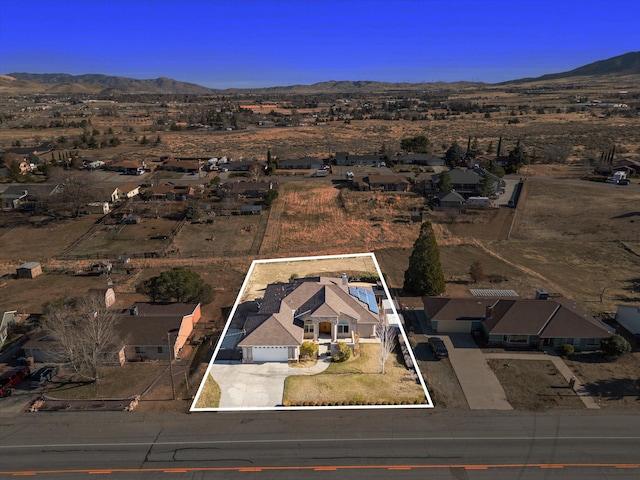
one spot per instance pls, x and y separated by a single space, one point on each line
256 385
481 387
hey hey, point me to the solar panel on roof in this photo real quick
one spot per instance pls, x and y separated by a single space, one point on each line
365 296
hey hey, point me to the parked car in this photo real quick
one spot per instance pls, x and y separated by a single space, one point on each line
11 378
43 376
438 347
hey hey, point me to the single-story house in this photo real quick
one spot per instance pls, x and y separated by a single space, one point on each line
465 182
306 163
307 309
148 328
387 183
25 196
100 208
450 199
169 192
144 331
181 165
14 196
347 160
29 270
128 190
127 167
629 317
516 322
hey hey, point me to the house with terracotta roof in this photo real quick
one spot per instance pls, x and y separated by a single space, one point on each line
318 309
518 322
145 331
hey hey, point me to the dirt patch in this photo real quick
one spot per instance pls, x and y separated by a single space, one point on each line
534 385
439 375
614 384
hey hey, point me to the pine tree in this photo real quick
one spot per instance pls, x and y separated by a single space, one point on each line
424 275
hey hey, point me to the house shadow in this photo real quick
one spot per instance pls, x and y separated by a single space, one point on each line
615 389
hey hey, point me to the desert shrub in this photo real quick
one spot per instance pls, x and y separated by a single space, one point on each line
567 349
615 346
308 349
344 353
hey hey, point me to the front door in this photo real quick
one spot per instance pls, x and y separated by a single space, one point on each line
325 327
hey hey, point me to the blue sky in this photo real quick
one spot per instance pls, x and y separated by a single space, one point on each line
250 43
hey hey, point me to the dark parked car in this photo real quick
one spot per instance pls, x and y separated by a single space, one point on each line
42 376
438 347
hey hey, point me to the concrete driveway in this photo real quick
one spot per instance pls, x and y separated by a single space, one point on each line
480 385
256 385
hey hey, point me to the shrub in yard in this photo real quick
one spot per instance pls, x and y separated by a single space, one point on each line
615 346
308 349
567 349
344 353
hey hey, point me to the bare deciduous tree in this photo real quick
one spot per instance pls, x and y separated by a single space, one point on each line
75 190
255 172
85 335
388 335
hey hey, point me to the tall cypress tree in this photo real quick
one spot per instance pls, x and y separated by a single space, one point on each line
424 275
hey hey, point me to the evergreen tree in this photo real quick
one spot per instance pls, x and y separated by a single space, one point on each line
424 275
444 184
454 155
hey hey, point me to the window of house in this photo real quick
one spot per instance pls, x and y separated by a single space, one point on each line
160 350
343 327
592 341
519 338
308 327
139 350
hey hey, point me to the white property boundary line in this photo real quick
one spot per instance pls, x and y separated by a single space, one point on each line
429 403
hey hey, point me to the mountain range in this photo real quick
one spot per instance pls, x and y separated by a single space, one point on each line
62 83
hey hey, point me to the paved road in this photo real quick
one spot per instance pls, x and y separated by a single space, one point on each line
359 444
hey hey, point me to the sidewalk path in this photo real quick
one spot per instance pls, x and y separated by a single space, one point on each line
480 385
552 355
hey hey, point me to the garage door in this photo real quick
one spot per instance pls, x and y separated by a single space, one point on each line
270 354
453 326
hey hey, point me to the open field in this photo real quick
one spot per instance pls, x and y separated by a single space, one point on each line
323 219
38 239
356 380
109 241
534 385
227 236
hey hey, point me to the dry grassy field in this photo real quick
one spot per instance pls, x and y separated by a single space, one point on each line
322 219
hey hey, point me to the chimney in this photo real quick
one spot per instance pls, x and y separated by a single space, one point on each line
345 280
488 313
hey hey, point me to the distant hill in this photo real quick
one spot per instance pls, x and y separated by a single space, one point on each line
347 86
627 64
28 83
65 83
